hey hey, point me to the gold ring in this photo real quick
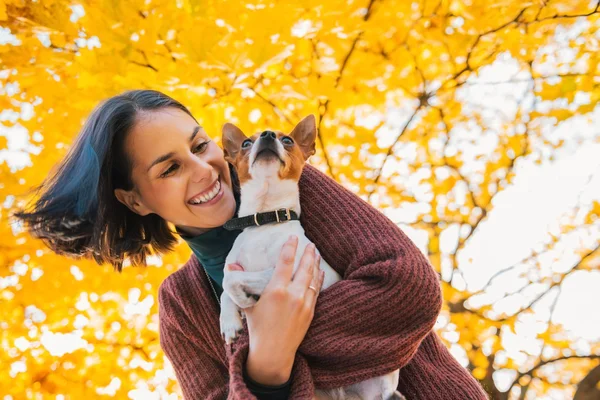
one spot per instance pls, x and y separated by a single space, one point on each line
313 288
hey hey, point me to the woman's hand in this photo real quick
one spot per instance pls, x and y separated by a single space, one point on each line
278 322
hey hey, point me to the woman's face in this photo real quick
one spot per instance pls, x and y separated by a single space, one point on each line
178 172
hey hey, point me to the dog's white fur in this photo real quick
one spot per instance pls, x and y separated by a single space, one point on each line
257 250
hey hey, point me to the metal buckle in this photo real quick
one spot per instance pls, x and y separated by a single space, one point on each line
287 214
256 220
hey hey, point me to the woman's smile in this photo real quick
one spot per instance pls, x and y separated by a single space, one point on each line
208 197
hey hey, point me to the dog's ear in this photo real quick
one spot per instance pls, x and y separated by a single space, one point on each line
232 140
305 134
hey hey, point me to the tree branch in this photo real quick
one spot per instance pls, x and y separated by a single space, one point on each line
557 16
325 107
553 285
391 149
542 363
588 389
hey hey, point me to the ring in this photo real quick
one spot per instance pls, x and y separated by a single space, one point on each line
313 288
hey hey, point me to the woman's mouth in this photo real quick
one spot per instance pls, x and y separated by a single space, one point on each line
210 196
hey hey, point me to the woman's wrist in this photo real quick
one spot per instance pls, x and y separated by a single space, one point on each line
266 368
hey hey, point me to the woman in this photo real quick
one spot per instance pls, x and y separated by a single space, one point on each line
142 162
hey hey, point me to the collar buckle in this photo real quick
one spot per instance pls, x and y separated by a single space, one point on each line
287 214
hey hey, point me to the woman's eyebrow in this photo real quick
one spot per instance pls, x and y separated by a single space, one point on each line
165 157
196 130
160 159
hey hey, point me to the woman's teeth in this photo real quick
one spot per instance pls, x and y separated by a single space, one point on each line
208 196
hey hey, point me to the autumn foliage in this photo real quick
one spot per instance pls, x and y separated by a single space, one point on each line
429 107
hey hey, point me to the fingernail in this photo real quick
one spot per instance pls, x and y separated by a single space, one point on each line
293 238
312 247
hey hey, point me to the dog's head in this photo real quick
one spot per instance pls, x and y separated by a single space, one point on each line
270 153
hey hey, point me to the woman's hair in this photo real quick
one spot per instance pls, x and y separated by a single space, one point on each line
77 213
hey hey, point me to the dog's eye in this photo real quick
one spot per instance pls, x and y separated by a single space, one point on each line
246 144
287 140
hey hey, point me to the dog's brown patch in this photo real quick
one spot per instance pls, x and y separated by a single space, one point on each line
293 161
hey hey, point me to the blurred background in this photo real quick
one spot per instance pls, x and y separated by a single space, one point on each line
472 124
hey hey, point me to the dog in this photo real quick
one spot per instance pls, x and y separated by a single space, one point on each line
269 165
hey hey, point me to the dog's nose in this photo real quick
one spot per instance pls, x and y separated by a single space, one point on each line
269 135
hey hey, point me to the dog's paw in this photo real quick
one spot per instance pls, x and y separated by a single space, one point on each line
244 299
231 325
244 288
240 293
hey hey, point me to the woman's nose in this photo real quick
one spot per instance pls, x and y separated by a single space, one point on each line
201 170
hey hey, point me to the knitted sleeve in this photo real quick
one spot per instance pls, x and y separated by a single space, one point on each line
302 386
200 376
373 321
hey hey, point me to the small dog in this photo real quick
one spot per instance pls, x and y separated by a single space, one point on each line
269 165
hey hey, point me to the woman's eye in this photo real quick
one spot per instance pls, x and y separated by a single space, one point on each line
201 147
169 171
246 144
287 140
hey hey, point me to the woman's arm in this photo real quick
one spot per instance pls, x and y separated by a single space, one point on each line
302 386
199 375
263 392
373 321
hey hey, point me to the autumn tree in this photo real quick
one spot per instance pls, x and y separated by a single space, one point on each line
427 109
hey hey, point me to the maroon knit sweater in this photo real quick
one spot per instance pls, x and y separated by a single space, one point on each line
377 319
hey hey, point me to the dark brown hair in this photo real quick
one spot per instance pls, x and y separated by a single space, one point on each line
77 213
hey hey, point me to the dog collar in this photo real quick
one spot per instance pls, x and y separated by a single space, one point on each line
258 219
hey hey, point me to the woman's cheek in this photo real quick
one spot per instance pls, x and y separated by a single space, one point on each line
167 193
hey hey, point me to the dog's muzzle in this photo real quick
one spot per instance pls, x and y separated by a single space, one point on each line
267 146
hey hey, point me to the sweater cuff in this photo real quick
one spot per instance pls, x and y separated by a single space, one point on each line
264 392
301 383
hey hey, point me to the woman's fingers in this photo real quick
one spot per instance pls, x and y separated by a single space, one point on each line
307 274
305 270
316 282
285 265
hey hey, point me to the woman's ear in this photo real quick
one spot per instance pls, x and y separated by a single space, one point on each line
131 199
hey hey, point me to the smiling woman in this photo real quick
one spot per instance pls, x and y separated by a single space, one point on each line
84 209
185 180
142 164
